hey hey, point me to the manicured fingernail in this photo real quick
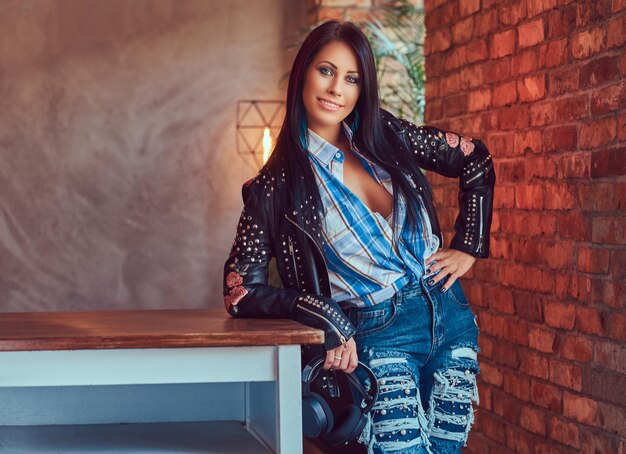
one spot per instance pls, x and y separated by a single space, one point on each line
444 290
428 271
431 282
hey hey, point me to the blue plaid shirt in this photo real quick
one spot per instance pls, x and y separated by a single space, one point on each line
368 259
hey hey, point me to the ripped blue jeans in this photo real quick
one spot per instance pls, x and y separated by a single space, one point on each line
422 346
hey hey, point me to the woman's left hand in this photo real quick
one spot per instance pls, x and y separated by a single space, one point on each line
451 262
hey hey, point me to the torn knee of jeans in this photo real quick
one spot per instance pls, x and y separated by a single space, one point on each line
450 411
399 421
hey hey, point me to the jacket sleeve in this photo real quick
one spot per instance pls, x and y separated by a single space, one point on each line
246 289
467 159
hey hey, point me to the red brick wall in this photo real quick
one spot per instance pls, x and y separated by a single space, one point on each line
541 82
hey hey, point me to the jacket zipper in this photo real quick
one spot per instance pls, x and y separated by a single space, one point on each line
312 239
293 259
481 236
476 176
342 338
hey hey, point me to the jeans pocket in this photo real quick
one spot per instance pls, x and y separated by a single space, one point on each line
457 295
372 319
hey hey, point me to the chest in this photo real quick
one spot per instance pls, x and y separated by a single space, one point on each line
364 186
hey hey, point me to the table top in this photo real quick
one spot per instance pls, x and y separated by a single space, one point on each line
174 328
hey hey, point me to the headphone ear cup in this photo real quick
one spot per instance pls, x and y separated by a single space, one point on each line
350 422
317 417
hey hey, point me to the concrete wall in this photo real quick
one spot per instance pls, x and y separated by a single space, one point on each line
119 176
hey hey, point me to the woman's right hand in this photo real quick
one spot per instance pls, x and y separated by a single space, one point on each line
344 357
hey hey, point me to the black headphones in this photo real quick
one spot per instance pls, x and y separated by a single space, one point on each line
348 421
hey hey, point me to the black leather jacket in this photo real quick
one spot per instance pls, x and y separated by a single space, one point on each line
306 295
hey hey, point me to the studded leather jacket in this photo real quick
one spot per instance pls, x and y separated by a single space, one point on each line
306 295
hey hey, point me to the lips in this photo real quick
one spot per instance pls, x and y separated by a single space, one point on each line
329 105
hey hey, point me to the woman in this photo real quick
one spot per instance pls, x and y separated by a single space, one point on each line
343 206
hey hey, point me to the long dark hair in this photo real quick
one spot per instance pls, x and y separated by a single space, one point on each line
290 151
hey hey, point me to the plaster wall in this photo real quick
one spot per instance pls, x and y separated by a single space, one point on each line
119 177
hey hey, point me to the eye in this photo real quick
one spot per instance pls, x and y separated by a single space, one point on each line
352 79
326 71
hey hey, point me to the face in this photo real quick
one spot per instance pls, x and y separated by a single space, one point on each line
331 88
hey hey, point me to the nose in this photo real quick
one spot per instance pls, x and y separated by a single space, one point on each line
335 87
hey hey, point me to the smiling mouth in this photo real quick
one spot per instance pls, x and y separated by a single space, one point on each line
329 104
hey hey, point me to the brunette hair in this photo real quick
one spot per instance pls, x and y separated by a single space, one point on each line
365 121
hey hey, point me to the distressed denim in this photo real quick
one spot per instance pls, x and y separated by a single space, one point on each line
422 346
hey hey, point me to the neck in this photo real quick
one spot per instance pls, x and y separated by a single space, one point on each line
333 135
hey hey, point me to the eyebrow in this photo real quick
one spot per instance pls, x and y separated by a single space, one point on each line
335 67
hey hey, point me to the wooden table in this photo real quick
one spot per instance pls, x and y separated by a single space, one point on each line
60 349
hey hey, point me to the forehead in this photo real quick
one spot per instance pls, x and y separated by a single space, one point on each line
339 54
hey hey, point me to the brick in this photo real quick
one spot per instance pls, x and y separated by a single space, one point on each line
512 13
550 448
618 263
611 356
456 58
531 33
573 108
516 385
527 141
589 320
560 197
600 71
559 138
532 88
564 432
500 299
528 306
576 348
471 77
608 293
441 40
590 12
455 105
525 61
606 386
515 117
433 110
479 100
541 339
463 30
597 442
529 197
593 260
486 22
580 408
598 197
566 375
506 406
616 326
467 7
533 420
516 441
510 171
491 374
574 165
547 396
504 354
617 5
576 286
587 43
616 32
477 51
555 53
608 99
563 81
597 133
498 70
504 95
534 364
621 124
503 44
542 113
536 7
559 315
561 22
614 418
608 230
575 227
494 430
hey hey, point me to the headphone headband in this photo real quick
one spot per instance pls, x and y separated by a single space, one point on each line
313 368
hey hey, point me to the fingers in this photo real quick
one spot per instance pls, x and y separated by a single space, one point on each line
344 357
451 264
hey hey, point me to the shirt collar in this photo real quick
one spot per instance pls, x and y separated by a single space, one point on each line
324 151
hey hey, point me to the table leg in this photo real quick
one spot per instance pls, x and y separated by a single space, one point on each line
289 401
